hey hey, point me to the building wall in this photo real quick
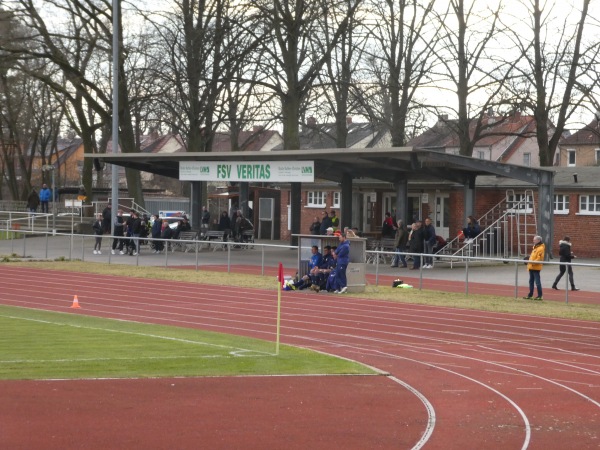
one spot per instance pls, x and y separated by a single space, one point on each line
585 155
584 229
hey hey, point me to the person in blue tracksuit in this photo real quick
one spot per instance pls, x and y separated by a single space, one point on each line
342 257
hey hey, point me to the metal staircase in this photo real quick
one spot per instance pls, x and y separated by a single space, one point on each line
507 230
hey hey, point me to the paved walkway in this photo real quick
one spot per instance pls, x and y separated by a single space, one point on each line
268 254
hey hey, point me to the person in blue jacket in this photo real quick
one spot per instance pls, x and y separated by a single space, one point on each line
342 257
45 195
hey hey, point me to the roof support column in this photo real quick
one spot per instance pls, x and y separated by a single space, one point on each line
346 206
401 187
195 203
295 211
243 205
546 210
469 198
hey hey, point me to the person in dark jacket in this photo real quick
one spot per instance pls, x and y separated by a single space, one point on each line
325 223
400 244
118 233
225 225
566 255
342 257
430 242
33 201
156 232
98 232
416 242
472 229
136 230
106 217
315 227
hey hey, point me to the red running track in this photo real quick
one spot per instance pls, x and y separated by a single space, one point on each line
458 378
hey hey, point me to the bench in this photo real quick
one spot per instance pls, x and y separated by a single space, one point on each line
182 242
216 236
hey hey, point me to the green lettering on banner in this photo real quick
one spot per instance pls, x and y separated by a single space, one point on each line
224 171
267 172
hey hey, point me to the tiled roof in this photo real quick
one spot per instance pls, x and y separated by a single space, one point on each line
588 135
441 135
247 140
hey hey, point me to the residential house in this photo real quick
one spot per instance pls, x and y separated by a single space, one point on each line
581 148
508 140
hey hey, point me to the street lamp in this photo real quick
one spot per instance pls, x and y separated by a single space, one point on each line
51 168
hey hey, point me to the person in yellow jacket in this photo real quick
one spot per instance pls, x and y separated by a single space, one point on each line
535 267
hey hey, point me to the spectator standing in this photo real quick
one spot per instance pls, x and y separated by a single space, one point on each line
325 223
45 195
225 225
566 255
204 220
342 257
534 267
315 227
106 218
416 242
156 232
335 221
33 201
400 242
430 242
136 230
98 232
118 233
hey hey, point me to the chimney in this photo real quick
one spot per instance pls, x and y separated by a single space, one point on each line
348 120
442 118
312 122
258 129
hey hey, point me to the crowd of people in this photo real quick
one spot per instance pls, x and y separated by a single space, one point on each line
327 271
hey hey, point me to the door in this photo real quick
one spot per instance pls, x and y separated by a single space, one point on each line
441 220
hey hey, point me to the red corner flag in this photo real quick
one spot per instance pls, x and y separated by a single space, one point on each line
280 273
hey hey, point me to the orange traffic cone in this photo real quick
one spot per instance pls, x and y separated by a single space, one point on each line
75 303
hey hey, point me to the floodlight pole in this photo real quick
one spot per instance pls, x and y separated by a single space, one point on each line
115 114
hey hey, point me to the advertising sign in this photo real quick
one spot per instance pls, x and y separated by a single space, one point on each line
276 171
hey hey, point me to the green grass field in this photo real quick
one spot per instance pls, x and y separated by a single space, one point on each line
47 345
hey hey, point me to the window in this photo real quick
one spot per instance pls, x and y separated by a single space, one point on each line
519 203
316 198
480 154
561 204
589 204
571 159
597 156
336 199
527 159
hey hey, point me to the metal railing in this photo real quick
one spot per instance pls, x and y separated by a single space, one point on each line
79 247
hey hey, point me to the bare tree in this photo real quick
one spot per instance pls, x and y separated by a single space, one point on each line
555 63
470 39
81 41
293 57
401 60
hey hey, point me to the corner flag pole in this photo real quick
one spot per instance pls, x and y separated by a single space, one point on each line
279 283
